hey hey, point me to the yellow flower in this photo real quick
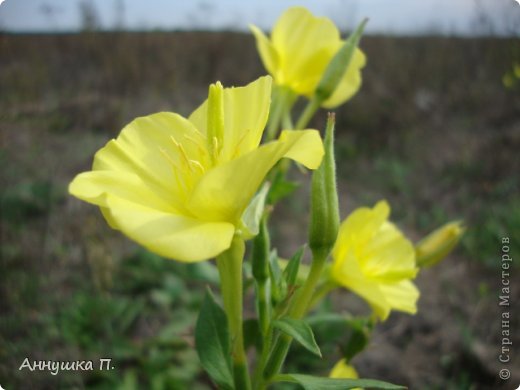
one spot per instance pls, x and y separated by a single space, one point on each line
180 186
343 370
299 51
374 259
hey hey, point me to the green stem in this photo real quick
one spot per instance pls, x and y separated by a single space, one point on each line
283 101
298 310
264 308
321 292
308 113
229 265
287 120
276 113
258 380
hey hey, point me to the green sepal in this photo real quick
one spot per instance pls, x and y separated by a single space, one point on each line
212 342
300 331
338 65
250 221
309 382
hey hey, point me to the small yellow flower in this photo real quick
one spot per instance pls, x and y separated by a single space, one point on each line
374 259
300 48
179 186
343 370
438 244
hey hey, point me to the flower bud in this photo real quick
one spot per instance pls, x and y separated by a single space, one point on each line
436 245
324 221
343 370
338 65
260 254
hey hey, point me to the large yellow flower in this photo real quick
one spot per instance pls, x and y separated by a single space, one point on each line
374 259
299 51
180 186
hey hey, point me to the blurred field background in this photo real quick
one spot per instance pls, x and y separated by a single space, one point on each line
434 130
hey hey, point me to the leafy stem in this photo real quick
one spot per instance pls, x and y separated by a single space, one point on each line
229 264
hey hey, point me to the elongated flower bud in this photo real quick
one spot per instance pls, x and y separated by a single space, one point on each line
324 222
338 65
436 245
260 255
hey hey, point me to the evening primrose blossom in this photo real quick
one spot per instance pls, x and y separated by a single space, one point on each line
300 48
179 186
374 259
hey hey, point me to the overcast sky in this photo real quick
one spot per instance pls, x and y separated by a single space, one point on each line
463 17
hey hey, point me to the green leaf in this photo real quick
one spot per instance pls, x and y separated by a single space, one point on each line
252 334
300 331
278 285
357 340
290 272
280 188
353 334
212 342
309 382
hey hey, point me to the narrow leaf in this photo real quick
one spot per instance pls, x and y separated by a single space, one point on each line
300 331
278 285
290 272
309 382
212 342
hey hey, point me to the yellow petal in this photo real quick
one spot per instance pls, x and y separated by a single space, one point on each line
267 51
245 114
350 83
94 186
303 146
349 274
305 44
389 256
401 296
360 226
173 236
149 148
225 191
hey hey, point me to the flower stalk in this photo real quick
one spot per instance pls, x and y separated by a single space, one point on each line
229 265
323 231
260 267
